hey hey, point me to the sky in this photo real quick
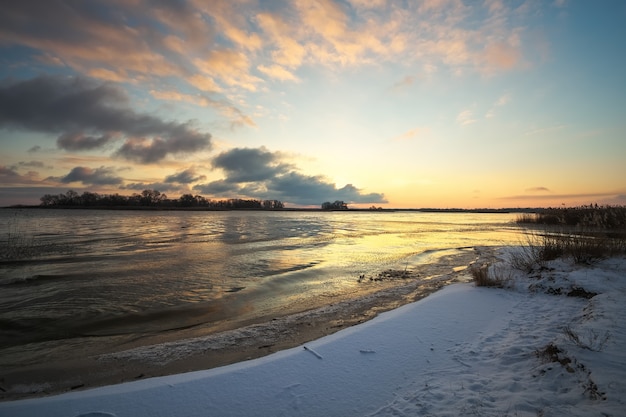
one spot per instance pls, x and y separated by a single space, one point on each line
395 104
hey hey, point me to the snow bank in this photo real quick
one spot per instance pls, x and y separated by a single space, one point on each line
526 350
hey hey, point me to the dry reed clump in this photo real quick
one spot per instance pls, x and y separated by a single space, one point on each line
592 216
584 233
583 246
489 276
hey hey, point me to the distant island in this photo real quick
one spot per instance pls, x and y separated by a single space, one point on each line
152 199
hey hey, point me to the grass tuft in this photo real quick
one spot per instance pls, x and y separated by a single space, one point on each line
591 340
487 276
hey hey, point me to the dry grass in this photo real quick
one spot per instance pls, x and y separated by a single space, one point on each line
591 340
591 216
583 246
488 276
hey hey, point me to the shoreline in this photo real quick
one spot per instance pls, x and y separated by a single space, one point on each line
218 349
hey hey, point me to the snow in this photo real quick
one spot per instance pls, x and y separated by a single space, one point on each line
524 350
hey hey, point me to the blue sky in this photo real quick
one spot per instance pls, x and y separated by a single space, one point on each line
434 103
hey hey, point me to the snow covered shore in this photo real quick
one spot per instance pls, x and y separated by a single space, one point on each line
525 350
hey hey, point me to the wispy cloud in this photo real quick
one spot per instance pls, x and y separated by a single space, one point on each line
407 81
465 118
413 133
235 116
500 102
538 189
582 198
540 130
277 72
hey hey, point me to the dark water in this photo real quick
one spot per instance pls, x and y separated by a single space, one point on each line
70 277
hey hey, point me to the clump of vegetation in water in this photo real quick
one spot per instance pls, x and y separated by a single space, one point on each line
585 234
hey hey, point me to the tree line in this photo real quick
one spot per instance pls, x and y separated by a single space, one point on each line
335 205
153 198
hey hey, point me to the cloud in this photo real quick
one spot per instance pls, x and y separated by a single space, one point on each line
225 47
230 66
542 130
10 175
538 189
410 134
236 116
187 176
277 72
248 165
7 174
71 105
504 99
259 173
88 176
159 186
465 118
135 42
368 4
33 164
314 190
501 56
218 188
407 81
500 102
77 141
177 183
583 198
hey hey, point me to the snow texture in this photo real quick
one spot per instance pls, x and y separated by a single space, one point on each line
525 350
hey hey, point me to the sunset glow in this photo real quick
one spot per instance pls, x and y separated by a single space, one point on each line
433 103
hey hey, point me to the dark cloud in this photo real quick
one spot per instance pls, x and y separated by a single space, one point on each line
222 188
538 189
77 141
180 139
10 175
68 105
175 183
34 149
7 173
33 164
88 176
185 177
247 165
159 186
258 173
313 190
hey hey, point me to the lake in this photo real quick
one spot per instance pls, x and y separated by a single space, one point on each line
99 279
